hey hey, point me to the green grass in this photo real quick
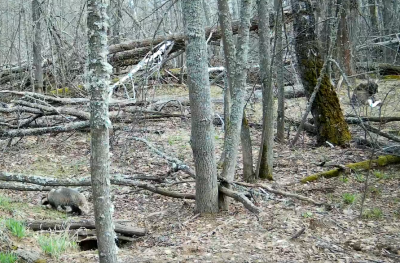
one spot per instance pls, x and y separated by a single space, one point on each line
307 214
349 198
17 228
5 203
54 245
360 177
6 257
374 213
379 175
343 179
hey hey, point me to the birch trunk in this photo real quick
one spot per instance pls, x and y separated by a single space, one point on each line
202 134
99 77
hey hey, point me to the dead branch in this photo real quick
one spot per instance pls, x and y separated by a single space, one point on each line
88 224
372 129
379 162
116 179
240 197
48 98
350 119
279 192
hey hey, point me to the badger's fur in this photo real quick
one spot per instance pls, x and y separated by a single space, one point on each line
63 197
363 92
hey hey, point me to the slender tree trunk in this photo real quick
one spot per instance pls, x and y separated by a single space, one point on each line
388 23
326 110
265 157
232 135
117 17
279 72
202 136
344 47
353 28
245 138
99 77
37 47
225 21
373 14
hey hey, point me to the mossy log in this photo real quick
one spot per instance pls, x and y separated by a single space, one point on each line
364 165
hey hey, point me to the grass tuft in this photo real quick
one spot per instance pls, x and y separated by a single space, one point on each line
54 245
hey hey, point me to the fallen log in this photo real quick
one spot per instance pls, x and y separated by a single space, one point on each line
364 165
88 224
384 68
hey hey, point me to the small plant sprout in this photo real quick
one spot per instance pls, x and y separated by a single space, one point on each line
348 198
7 257
374 213
307 214
17 228
54 244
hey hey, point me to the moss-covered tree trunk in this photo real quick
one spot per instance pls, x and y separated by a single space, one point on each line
326 110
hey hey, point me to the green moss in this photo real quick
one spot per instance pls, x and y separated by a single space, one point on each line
391 77
114 80
61 91
327 174
364 165
326 107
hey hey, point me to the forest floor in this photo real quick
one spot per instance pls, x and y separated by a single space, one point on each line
177 234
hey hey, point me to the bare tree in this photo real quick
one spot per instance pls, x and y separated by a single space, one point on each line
265 157
37 47
98 81
230 63
202 134
238 82
328 116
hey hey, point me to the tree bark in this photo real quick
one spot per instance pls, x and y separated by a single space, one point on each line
247 155
37 48
202 134
98 77
279 72
265 157
344 47
325 109
231 142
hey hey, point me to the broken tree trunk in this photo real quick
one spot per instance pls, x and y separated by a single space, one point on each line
379 162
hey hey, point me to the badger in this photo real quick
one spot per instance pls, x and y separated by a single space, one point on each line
63 197
363 92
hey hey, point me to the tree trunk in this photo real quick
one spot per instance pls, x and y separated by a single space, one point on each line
265 157
245 138
202 135
99 77
328 115
373 14
344 47
37 48
388 23
232 135
279 72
